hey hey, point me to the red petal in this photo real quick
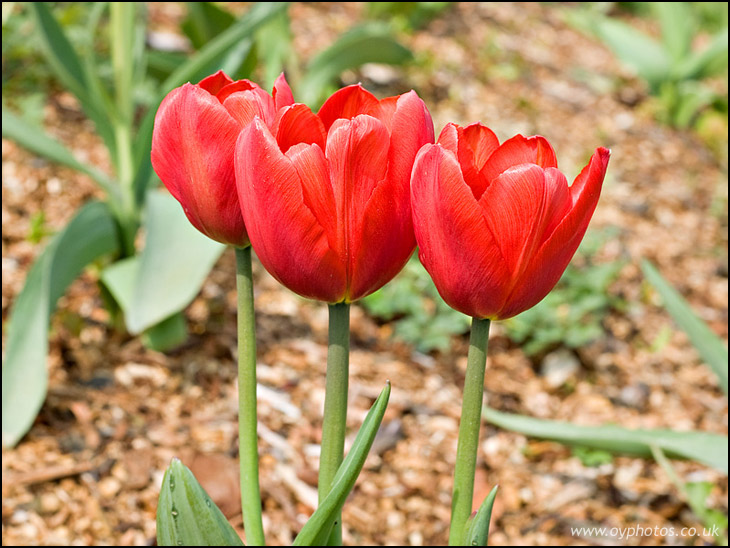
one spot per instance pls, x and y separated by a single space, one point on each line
412 128
385 110
455 243
347 103
357 152
449 138
519 150
298 124
192 152
283 96
285 234
233 87
481 141
549 263
244 105
215 82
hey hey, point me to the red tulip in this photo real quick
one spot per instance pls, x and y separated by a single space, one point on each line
497 225
194 138
326 196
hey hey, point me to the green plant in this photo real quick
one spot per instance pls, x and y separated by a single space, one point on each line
572 314
673 70
407 15
115 95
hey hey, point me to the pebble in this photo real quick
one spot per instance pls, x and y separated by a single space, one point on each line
109 487
558 367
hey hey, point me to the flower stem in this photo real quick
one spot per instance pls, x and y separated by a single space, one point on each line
335 407
471 414
247 423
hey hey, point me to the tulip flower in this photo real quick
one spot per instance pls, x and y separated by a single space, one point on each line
326 196
497 225
193 144
326 199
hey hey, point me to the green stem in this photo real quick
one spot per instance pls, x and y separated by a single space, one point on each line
471 416
335 407
247 422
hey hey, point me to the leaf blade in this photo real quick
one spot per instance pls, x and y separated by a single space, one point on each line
705 447
317 529
90 234
708 345
186 516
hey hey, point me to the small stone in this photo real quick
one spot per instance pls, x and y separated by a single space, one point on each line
109 487
49 503
558 367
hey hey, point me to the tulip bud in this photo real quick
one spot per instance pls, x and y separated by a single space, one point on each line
193 143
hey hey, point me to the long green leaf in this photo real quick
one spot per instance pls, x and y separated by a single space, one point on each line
704 447
37 141
317 529
173 265
477 529
369 43
635 49
709 345
710 61
90 234
67 65
204 22
678 27
186 516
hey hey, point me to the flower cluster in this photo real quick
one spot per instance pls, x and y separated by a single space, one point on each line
334 202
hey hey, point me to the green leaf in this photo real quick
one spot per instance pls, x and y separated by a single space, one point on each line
242 29
173 265
709 345
710 61
635 49
186 516
477 528
204 22
678 27
274 44
317 529
90 234
38 142
369 43
69 68
59 51
704 447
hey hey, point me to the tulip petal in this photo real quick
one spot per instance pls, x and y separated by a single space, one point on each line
456 245
245 105
282 94
552 258
285 233
357 152
519 150
347 103
215 82
298 124
192 153
476 144
412 128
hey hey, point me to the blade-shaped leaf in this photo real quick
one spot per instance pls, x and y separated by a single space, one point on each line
186 516
204 22
274 46
173 265
704 447
709 345
710 61
635 49
90 234
34 139
319 525
678 27
369 43
477 529
67 65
